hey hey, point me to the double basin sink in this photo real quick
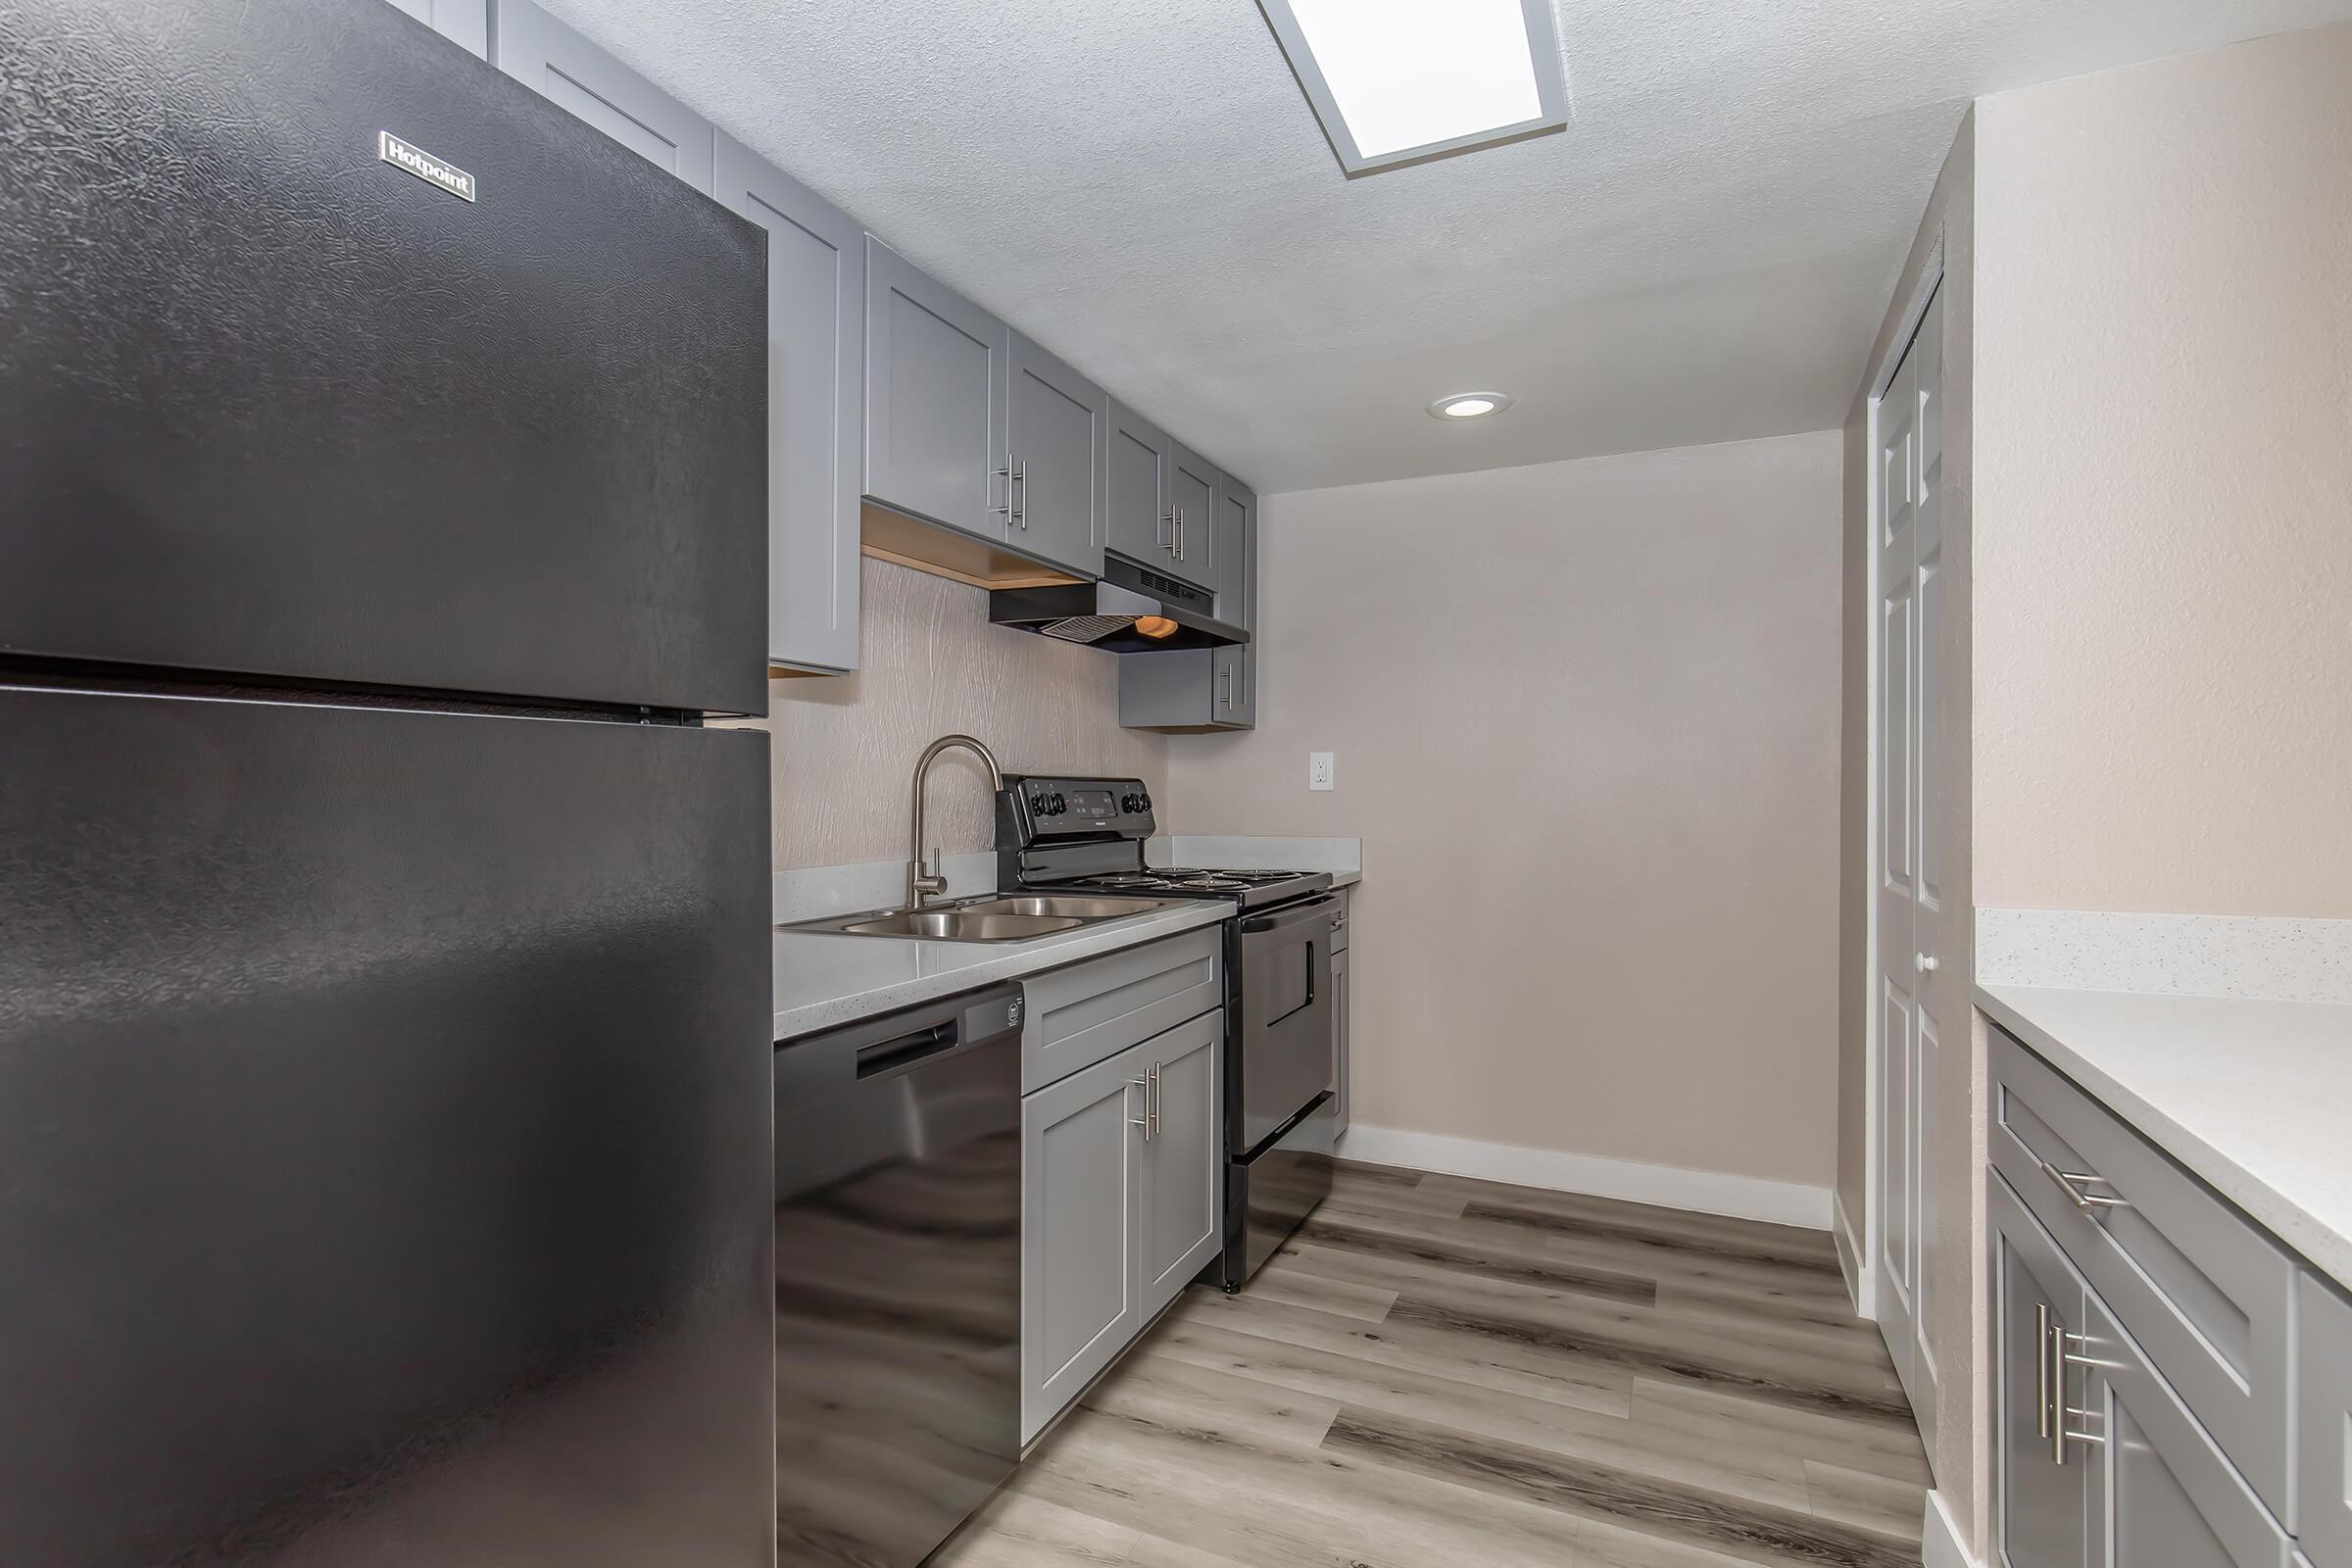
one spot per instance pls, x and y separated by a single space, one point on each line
1012 919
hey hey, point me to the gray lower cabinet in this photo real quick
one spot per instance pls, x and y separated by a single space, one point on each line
1120 1199
1059 437
1082 1013
1081 1291
462 22
816 395
558 64
1139 474
1339 1035
936 426
1184 1167
1191 519
2324 1425
2040 1495
2160 1490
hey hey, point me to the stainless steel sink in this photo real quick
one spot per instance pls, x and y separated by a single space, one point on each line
1015 918
961 925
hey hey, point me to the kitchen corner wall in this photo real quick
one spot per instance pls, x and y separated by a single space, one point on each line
2164 368
1586 718
931 664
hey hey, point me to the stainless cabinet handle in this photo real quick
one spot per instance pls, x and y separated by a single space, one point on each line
1005 473
2041 1375
2086 1201
1019 499
1338 920
1229 688
1163 532
1145 1120
1179 534
1151 1104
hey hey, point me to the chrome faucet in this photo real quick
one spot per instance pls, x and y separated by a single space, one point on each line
921 883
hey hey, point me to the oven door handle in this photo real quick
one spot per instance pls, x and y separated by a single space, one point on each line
1313 909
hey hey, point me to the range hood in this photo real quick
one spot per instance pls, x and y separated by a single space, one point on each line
1117 613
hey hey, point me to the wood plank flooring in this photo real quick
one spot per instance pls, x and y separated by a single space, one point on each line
1438 1371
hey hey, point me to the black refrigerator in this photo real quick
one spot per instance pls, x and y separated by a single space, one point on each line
384 1047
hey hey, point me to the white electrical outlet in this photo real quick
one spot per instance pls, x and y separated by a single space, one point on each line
1318 770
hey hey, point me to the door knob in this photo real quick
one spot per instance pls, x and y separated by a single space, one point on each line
1927 964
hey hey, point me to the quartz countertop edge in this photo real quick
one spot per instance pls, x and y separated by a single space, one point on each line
2251 1096
821 979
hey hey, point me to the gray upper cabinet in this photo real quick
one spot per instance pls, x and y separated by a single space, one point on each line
935 386
1193 503
816 395
1182 1186
1081 1164
556 63
1187 689
1236 552
2323 1431
1059 445
462 22
1139 473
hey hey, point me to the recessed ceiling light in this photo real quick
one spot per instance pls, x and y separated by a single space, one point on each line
1469 405
1394 81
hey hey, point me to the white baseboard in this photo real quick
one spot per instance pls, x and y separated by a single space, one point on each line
1853 1259
1939 1539
1707 1191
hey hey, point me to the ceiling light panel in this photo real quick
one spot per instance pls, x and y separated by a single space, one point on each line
1395 81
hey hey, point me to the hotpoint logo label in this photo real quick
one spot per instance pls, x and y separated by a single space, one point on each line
423 165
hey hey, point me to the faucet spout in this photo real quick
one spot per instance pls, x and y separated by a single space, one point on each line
921 884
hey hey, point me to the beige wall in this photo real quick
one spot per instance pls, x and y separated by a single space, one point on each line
932 664
1956 1305
2164 652
1585 719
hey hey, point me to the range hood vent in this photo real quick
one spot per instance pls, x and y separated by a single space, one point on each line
1106 614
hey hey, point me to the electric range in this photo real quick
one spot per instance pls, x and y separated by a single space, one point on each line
1059 834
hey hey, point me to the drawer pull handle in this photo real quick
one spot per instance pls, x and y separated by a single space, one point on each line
2086 1201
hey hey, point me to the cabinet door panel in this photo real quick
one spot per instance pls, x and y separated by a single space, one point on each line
2160 1490
2323 1433
462 22
1236 546
560 64
2039 1503
1059 444
1140 468
815 396
1079 1168
1185 1166
935 385
1339 1035
1192 500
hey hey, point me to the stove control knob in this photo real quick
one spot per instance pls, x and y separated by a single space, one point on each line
1142 803
1040 804
1062 803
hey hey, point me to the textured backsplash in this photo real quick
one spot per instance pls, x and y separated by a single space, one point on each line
931 664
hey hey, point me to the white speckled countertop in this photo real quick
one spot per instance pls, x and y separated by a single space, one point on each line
822 979
2253 1095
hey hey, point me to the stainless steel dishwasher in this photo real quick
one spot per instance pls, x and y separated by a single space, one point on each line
897 1278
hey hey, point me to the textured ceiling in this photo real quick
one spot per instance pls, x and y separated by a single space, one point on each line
1701 256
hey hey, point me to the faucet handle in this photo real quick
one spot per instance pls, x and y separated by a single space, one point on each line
932 878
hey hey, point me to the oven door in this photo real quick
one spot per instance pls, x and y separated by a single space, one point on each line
1282 1057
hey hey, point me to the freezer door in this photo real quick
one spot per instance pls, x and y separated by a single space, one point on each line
273 402
384 1138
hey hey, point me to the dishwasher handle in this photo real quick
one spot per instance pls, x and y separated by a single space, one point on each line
895 1043
907 1049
